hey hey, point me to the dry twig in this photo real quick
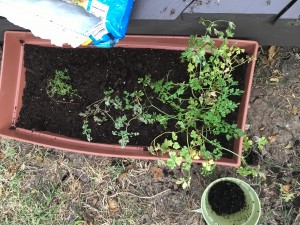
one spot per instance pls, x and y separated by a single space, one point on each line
142 197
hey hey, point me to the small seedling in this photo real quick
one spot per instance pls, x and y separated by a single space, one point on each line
247 170
59 85
261 142
286 194
254 171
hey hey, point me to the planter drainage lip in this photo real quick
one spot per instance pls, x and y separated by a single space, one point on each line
12 83
248 216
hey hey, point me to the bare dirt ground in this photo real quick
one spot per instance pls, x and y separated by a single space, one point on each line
48 186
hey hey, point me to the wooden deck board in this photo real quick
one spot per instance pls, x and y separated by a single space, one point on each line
254 19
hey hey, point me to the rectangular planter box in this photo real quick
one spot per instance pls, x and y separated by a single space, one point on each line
12 83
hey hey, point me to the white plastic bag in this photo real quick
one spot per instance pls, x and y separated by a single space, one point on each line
59 21
100 23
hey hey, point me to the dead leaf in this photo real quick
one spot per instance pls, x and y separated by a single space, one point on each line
113 206
95 201
2 155
274 79
213 94
88 219
299 76
288 146
122 175
264 152
247 126
296 110
262 128
39 159
272 138
276 72
33 191
156 172
264 59
271 53
13 168
286 187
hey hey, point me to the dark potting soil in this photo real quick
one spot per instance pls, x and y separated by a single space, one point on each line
92 71
226 198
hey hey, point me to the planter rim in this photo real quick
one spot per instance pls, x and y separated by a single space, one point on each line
12 82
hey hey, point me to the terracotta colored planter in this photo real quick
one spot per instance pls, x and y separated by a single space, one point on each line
12 82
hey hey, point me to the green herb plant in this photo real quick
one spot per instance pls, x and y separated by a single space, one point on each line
199 105
59 86
100 111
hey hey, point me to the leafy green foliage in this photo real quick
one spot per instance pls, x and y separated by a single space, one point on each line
210 88
86 130
59 85
199 105
254 171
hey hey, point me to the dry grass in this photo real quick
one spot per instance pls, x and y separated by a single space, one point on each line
42 186
46 186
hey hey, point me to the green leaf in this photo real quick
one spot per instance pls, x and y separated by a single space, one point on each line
184 152
262 142
191 68
166 144
194 134
247 144
183 182
206 39
187 166
184 185
171 163
181 124
119 123
174 136
244 171
163 120
180 181
207 155
178 160
176 145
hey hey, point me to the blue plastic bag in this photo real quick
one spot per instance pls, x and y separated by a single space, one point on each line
113 24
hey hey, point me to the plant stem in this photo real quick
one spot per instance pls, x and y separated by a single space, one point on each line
219 146
172 117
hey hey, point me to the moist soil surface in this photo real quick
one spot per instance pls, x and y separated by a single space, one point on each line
226 198
93 71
